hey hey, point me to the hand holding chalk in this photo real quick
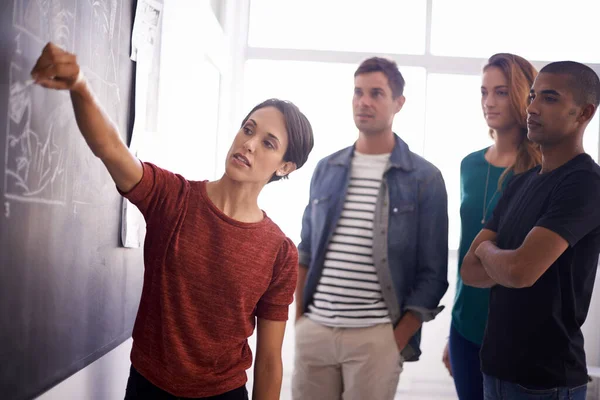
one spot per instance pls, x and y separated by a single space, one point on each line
57 69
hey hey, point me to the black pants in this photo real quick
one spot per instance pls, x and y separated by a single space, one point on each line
140 388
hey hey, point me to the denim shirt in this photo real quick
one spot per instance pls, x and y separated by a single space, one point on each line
410 232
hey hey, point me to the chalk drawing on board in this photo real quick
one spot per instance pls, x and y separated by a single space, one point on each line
45 20
103 40
40 165
18 50
100 45
92 179
35 165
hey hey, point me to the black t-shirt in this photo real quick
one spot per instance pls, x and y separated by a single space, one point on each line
533 335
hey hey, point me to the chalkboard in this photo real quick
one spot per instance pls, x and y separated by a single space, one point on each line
68 293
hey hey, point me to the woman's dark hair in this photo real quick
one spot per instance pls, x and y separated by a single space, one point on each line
299 130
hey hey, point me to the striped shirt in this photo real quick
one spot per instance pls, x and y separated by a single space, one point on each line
348 294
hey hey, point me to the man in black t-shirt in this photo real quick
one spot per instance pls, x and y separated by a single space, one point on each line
539 252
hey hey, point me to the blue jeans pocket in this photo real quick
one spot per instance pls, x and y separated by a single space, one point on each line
517 392
578 393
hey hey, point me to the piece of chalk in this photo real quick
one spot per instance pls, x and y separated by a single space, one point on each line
29 82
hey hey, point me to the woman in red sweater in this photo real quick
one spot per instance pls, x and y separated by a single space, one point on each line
215 264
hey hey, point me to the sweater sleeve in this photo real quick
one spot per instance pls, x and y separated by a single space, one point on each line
274 303
158 193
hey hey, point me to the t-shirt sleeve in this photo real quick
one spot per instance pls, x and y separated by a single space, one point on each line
158 191
274 303
574 207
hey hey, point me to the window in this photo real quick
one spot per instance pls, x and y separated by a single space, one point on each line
189 121
454 128
382 26
190 85
534 29
323 92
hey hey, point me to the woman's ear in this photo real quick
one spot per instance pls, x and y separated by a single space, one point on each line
286 169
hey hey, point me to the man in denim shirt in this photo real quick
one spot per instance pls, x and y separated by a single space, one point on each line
373 255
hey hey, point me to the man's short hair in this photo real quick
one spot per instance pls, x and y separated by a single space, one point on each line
584 82
389 68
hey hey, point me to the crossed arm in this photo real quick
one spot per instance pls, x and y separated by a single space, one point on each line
485 265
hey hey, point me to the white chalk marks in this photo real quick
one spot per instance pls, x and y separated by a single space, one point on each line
46 20
46 159
35 165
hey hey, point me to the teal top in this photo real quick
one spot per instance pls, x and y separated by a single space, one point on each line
469 314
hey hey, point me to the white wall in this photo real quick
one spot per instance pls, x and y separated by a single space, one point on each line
591 328
104 379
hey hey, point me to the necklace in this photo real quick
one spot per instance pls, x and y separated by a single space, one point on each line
486 204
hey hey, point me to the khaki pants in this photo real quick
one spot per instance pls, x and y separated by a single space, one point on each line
345 363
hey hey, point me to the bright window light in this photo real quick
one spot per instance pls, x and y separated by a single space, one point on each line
379 26
534 29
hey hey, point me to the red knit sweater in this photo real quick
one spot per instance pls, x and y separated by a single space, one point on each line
206 278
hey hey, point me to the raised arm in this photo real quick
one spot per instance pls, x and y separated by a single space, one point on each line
58 69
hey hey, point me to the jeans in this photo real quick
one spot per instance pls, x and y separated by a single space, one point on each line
139 388
466 367
495 389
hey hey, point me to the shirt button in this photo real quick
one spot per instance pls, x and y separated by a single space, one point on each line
383 260
395 210
383 231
